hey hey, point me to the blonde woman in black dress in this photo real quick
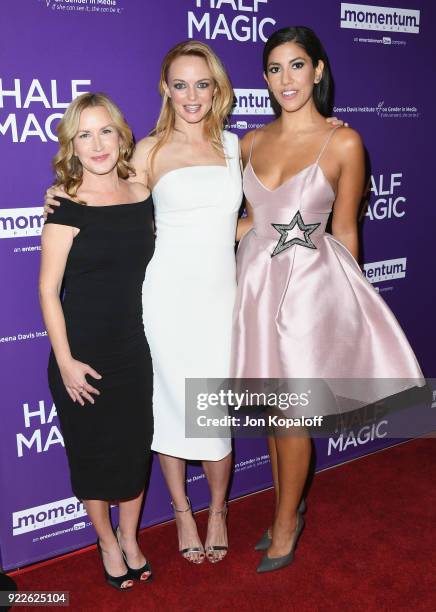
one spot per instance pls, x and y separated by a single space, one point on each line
98 243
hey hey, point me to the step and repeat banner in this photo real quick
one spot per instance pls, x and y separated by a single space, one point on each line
53 50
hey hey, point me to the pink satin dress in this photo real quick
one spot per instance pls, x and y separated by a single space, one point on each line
303 307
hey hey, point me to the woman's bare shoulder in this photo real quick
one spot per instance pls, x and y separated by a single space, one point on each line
246 139
348 149
138 191
246 143
347 140
145 145
139 160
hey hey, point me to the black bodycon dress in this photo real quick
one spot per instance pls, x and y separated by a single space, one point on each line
108 443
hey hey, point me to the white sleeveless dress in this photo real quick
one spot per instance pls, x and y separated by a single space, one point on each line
189 293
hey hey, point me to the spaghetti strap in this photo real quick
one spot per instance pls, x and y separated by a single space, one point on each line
325 145
251 146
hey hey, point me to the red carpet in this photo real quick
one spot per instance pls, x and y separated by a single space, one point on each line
369 545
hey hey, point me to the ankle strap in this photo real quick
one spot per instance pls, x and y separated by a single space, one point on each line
188 501
222 511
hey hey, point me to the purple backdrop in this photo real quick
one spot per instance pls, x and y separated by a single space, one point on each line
52 50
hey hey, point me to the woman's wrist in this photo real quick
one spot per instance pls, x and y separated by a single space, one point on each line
64 359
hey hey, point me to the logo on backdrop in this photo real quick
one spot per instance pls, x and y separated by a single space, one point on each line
245 125
253 462
252 102
368 17
111 7
41 433
357 429
53 513
19 97
21 222
388 203
24 336
354 439
402 112
382 110
389 269
244 24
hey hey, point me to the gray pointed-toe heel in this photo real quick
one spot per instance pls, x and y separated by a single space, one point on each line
269 564
265 541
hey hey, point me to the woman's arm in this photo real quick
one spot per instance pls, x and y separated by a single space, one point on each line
349 151
245 223
140 161
56 241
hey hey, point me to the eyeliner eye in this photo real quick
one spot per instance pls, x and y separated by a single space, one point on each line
274 69
107 131
83 135
179 85
298 65
203 85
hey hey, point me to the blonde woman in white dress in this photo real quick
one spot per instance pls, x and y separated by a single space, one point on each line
192 167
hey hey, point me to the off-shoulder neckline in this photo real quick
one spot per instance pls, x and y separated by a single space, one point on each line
104 205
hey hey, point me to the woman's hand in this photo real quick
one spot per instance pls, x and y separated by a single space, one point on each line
50 202
73 376
336 121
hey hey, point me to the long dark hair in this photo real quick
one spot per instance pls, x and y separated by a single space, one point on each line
306 38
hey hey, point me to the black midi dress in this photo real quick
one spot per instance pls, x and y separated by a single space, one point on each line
107 443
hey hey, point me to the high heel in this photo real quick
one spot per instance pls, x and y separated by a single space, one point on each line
114 581
194 554
135 574
269 564
211 550
265 540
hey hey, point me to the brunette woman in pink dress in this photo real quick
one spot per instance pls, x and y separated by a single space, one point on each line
303 307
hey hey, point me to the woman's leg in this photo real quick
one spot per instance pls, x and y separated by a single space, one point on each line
293 458
218 475
274 465
174 471
274 469
128 529
98 512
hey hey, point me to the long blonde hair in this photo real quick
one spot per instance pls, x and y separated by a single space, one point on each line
221 104
67 166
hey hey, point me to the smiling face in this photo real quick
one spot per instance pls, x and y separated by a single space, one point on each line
291 76
97 142
191 87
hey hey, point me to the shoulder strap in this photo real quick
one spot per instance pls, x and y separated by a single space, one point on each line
251 146
327 140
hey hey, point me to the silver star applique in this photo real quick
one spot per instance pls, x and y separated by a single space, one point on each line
284 228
